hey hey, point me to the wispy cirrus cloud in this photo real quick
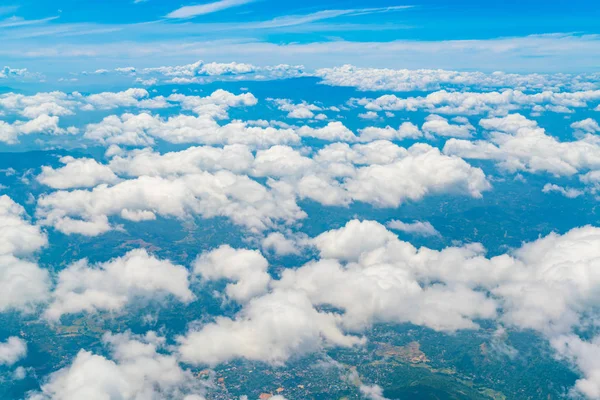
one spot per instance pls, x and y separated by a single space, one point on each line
202 9
18 21
291 20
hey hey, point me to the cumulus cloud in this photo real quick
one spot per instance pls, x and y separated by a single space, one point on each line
109 286
407 130
423 170
475 103
418 227
378 173
571 193
243 200
301 110
372 392
406 80
45 124
12 350
280 245
270 328
23 284
247 268
519 144
439 126
332 132
77 173
137 368
587 125
584 355
201 72
142 130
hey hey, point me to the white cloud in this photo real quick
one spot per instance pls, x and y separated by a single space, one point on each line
243 200
474 103
128 98
436 125
302 110
208 8
584 355
247 268
422 171
82 172
587 125
372 392
137 369
278 161
201 72
407 80
369 115
567 192
109 286
17 73
236 158
45 124
418 227
519 144
407 130
23 284
280 245
142 129
270 328
333 131
12 350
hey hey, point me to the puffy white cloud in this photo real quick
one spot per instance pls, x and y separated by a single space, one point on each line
46 124
44 109
406 130
280 245
201 72
333 131
372 392
567 192
17 235
406 80
216 104
587 125
368 115
142 129
584 355
128 98
16 73
109 286
270 328
473 103
438 126
519 144
235 158
137 369
379 173
243 200
368 276
422 171
82 172
12 350
418 227
302 110
386 294
278 161
247 268
44 103
546 285
23 284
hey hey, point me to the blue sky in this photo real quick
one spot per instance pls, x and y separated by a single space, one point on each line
70 36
